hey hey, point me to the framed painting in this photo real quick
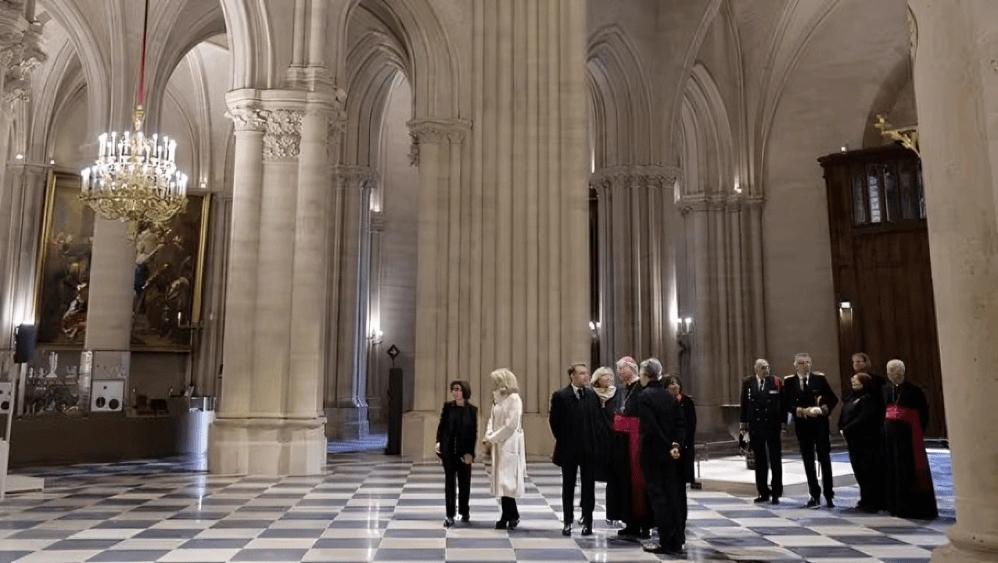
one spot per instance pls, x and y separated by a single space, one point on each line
169 267
63 274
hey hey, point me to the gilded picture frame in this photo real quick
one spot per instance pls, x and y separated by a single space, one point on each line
168 275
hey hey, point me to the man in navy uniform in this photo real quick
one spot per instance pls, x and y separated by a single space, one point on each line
761 418
808 400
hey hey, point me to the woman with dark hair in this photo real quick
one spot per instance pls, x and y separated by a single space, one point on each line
860 423
457 434
675 386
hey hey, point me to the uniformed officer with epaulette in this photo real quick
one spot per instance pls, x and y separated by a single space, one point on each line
761 418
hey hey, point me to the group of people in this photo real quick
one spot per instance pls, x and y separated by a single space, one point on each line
882 421
638 440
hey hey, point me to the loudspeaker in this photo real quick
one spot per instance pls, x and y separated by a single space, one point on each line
24 343
6 396
107 395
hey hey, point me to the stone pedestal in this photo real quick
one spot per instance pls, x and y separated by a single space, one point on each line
347 423
261 446
956 89
419 434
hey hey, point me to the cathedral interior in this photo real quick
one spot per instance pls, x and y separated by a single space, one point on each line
361 201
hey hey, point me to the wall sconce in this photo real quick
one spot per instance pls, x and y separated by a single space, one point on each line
684 326
375 335
594 327
845 305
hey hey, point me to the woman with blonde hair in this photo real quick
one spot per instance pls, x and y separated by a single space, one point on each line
504 435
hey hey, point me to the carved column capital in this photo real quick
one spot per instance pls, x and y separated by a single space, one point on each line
248 118
436 131
282 138
348 177
627 177
20 53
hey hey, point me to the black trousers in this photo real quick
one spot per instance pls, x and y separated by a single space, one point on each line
667 494
864 454
457 470
568 474
768 451
811 441
509 510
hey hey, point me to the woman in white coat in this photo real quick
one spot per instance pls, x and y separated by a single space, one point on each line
505 436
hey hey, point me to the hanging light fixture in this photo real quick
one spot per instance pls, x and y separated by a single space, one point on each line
135 177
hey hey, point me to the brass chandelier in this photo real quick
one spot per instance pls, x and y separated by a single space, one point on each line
135 178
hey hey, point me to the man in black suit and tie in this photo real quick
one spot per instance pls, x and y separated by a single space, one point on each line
762 418
808 400
575 419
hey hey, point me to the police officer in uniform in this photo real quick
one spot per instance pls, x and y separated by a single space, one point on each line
761 418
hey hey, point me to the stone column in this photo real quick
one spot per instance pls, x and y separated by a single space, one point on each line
21 203
269 421
956 88
376 375
636 208
757 306
503 277
345 400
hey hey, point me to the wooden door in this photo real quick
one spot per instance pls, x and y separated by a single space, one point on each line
880 260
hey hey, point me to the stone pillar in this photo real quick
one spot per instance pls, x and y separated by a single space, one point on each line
345 400
702 384
956 88
269 420
503 276
757 305
22 200
636 209
377 376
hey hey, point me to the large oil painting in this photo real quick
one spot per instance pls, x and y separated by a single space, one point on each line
168 268
167 276
64 265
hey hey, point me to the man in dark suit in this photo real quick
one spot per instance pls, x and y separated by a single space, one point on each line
662 434
861 364
808 400
576 418
761 418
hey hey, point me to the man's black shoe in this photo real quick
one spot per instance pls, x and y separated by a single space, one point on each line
587 529
501 524
567 530
448 522
761 499
811 503
645 534
829 503
513 524
465 517
776 500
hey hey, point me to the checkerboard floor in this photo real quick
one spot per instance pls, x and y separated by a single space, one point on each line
369 507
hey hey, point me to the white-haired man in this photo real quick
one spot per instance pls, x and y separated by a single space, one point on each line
662 434
761 418
627 490
910 493
808 400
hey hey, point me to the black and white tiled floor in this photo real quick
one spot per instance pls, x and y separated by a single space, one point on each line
369 507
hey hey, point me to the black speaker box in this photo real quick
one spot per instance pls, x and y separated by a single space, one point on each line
24 343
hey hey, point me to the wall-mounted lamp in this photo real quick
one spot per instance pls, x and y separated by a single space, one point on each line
375 334
594 327
684 326
844 148
844 305
738 187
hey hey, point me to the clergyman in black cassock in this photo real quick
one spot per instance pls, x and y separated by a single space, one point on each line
626 489
910 493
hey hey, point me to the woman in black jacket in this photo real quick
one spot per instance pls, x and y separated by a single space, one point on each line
688 459
457 435
860 423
